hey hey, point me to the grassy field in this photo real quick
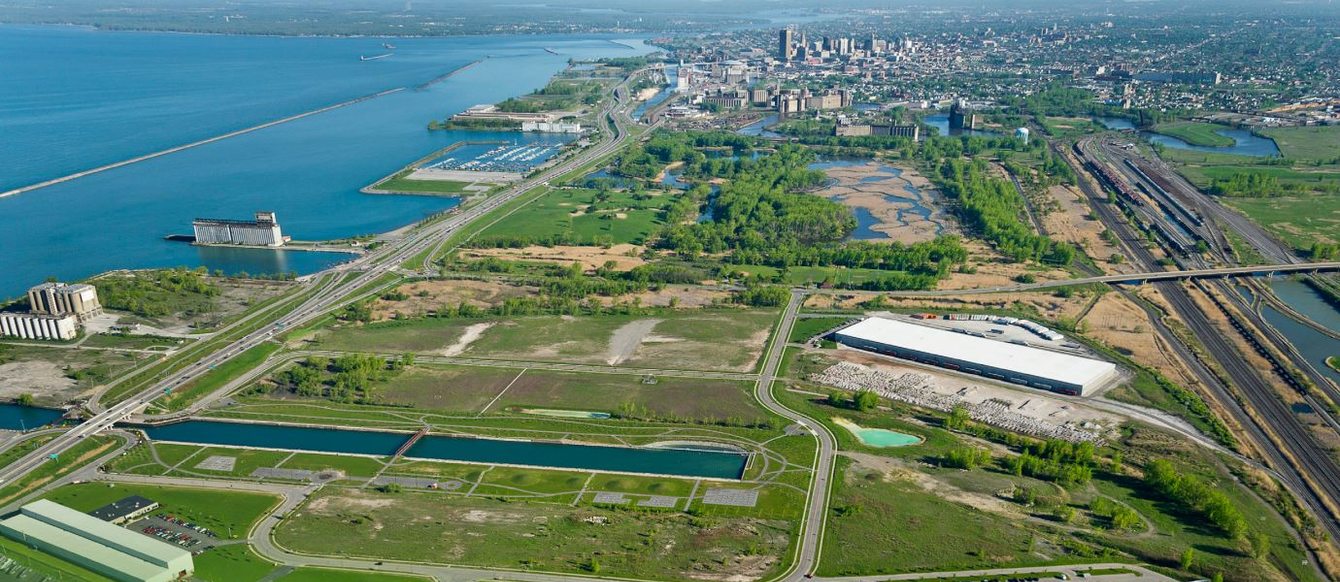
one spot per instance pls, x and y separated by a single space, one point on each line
221 511
1195 133
1320 143
327 575
1298 220
54 375
541 536
133 342
183 396
401 184
471 388
20 450
581 215
901 527
700 340
808 327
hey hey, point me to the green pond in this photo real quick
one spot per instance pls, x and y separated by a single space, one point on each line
877 437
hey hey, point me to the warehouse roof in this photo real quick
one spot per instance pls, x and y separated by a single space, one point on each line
100 532
1021 359
119 509
26 527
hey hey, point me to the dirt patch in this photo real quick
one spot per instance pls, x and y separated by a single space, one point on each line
992 270
335 504
683 296
625 340
897 470
468 337
624 256
1072 223
423 297
1122 325
36 377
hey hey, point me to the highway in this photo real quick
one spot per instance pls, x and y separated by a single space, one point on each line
337 292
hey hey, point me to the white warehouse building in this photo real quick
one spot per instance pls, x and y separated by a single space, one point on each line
1019 364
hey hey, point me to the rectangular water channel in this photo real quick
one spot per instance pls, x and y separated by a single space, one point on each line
667 461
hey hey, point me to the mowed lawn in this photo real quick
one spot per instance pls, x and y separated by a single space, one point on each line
668 398
581 216
437 528
1195 133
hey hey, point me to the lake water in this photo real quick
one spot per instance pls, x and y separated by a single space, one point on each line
1244 143
760 128
877 437
82 98
667 461
15 417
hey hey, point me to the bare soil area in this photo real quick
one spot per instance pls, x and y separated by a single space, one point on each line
1071 223
992 270
1121 324
624 256
425 296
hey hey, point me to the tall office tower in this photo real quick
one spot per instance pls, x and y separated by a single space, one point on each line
785 46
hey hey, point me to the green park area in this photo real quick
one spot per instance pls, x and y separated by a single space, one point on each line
583 216
1296 196
1196 133
400 184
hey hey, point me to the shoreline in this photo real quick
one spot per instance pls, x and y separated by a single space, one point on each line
491 33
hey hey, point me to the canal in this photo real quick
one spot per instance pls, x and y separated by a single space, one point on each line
15 417
1310 343
663 461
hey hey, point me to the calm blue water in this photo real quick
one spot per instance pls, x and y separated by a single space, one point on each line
1245 143
671 77
81 98
1117 123
940 121
865 220
760 128
1313 345
696 463
15 417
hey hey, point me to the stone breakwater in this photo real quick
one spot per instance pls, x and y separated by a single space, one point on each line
917 389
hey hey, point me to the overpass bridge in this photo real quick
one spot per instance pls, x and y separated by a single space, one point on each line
1129 279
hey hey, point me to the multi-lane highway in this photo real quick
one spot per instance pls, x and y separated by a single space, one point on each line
338 291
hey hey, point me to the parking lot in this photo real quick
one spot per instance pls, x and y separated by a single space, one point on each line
174 530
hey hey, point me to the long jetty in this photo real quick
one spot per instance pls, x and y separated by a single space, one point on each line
173 150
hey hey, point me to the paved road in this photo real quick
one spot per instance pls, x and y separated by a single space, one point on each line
339 292
1141 573
816 504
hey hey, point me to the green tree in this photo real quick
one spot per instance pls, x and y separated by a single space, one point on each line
865 400
1188 559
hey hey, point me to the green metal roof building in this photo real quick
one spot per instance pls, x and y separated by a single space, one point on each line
112 551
